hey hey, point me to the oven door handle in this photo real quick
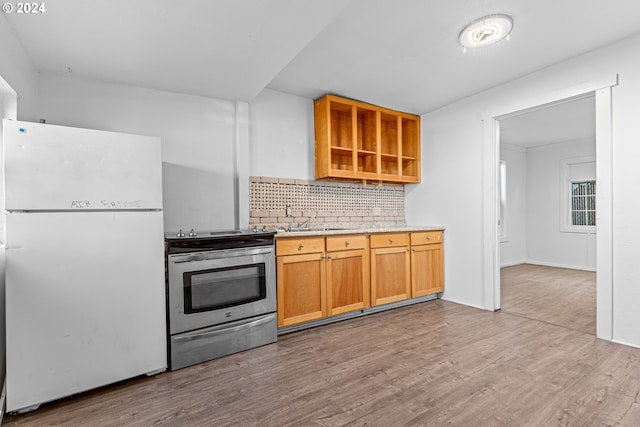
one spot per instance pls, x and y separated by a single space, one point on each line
222 330
217 254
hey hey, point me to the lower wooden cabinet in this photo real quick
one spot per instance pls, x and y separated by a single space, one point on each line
427 276
301 288
314 285
347 281
390 268
327 276
390 275
427 266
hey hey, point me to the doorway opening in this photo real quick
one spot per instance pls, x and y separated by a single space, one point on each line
602 89
547 214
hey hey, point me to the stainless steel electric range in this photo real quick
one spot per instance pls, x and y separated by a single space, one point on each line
221 293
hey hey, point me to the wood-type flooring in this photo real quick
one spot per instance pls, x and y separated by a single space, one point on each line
430 364
560 296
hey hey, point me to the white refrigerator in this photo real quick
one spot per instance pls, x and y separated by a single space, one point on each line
85 283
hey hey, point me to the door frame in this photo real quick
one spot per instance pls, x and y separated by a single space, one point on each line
602 88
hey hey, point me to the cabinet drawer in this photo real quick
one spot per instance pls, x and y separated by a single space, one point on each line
341 243
426 237
299 245
388 240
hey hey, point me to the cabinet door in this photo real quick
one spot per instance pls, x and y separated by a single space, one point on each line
427 272
390 275
347 281
301 289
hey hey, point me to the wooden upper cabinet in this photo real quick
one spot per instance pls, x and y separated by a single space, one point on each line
354 140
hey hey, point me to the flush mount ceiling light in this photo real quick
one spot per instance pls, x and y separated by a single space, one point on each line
485 31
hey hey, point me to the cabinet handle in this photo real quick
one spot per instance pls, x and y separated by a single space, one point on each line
328 256
428 238
408 249
414 249
301 246
347 243
391 241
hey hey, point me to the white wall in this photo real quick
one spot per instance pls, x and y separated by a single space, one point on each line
281 136
18 71
534 207
513 248
197 141
450 193
198 137
546 243
453 143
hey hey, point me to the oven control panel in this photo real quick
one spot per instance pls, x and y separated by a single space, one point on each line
197 241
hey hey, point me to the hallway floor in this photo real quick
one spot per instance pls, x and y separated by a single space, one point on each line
558 296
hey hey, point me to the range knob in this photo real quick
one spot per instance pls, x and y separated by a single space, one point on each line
192 233
180 233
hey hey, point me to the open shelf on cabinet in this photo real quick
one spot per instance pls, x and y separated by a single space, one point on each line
341 126
410 149
366 140
341 159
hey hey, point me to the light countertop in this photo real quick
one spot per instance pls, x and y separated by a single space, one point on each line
369 230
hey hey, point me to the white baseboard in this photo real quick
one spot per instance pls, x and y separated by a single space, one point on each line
553 264
463 303
626 343
512 263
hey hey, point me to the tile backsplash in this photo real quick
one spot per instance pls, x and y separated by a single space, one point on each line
326 204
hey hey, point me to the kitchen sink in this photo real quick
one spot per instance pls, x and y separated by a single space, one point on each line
301 230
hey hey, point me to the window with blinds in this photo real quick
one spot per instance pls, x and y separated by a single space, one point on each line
583 203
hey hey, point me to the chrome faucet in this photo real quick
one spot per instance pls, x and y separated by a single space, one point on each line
304 225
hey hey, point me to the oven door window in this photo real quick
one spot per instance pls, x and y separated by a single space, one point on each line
207 290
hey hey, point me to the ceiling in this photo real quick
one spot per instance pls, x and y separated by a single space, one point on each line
572 120
402 54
